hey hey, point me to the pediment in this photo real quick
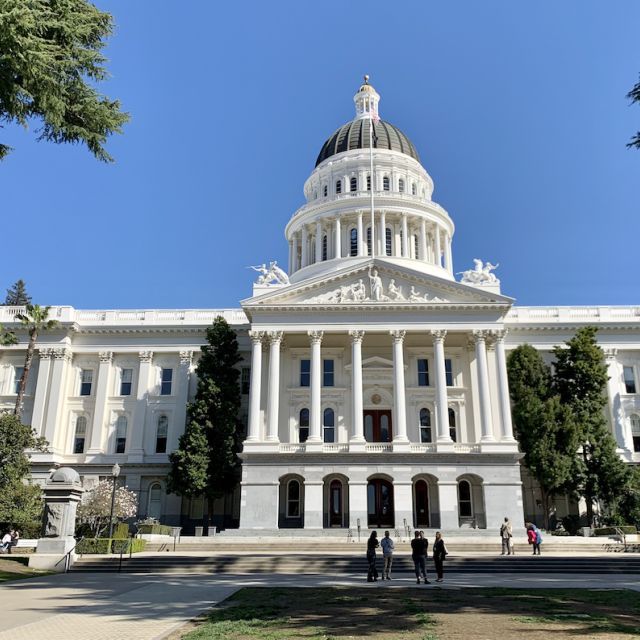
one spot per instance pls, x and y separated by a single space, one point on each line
375 284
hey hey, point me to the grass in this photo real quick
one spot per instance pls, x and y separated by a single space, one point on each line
17 569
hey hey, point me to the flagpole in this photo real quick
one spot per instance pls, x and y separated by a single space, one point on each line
372 182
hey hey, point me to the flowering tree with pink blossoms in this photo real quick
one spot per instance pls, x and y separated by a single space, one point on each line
95 508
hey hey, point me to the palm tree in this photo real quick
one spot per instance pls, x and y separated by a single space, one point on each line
35 319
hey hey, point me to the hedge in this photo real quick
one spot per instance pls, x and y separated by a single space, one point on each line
158 529
110 545
120 531
611 531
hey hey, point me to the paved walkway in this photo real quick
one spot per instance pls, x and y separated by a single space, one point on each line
122 607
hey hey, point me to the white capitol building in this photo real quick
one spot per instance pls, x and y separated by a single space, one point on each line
374 383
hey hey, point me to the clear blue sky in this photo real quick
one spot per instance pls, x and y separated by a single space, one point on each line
517 109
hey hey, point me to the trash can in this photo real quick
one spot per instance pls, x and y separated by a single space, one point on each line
198 532
586 532
175 532
212 531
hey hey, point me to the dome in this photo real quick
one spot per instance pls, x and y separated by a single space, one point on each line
355 135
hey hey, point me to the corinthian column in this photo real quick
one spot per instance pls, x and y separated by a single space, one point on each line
273 402
315 419
102 391
442 406
338 239
400 405
503 387
486 426
357 434
254 385
41 393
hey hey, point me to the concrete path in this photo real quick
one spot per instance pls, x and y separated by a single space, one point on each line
123 607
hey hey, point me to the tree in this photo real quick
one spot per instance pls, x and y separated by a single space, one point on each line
17 295
206 461
7 337
543 425
580 380
95 508
20 501
36 320
51 60
634 96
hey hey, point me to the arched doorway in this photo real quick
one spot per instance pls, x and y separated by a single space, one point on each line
380 503
335 503
154 507
421 496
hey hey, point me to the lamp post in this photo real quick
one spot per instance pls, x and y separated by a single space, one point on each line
115 472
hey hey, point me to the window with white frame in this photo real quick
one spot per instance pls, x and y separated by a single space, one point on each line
453 432
305 372
162 430
303 425
388 239
86 381
80 434
629 379
423 372
401 185
324 247
328 373
17 377
634 419
126 379
448 371
353 242
368 241
416 249
339 186
166 379
414 189
325 190
385 183
425 425
328 425
121 434
368 183
353 184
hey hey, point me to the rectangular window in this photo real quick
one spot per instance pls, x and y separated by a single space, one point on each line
126 376
17 376
329 434
629 380
305 373
165 382
423 372
425 434
327 373
86 380
245 380
448 372
78 444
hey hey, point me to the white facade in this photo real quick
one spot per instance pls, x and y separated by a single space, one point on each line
375 387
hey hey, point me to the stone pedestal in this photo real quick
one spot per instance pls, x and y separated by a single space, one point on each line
62 493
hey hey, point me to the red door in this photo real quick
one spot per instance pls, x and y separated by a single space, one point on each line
380 503
377 425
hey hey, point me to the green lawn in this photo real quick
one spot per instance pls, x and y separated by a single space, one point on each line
428 613
17 569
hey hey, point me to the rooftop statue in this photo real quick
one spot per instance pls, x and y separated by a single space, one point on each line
480 274
272 275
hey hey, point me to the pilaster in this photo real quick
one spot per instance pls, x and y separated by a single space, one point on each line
42 389
61 360
273 402
136 448
357 437
315 418
103 384
255 385
400 405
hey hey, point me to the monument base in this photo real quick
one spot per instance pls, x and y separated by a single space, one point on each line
50 554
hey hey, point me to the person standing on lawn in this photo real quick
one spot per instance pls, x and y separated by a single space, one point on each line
387 555
372 545
439 554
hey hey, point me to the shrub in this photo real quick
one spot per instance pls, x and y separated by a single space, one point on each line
158 529
110 545
611 531
121 531
93 545
571 524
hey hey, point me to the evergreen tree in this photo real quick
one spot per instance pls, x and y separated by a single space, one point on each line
20 501
50 64
206 462
543 425
17 295
580 379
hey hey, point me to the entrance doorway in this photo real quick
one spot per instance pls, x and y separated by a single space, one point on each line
380 503
422 504
377 425
335 503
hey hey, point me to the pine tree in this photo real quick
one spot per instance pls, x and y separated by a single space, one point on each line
17 295
206 462
580 378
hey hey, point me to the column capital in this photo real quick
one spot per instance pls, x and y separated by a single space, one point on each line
62 353
105 357
186 357
256 336
315 336
438 335
500 334
356 335
275 337
45 354
145 356
480 335
610 355
397 335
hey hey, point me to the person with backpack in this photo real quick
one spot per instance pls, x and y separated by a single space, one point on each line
534 537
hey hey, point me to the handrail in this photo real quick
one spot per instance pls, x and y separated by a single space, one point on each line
67 556
623 536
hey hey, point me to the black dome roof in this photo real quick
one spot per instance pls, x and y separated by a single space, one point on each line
355 135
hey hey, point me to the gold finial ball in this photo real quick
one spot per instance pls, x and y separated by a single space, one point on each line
366 79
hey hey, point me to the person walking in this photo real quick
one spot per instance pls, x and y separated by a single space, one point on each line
419 556
439 554
372 545
506 533
387 555
538 540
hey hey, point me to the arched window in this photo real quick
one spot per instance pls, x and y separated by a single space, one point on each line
452 424
368 241
388 239
324 191
635 431
339 186
368 183
353 242
303 425
414 189
80 434
121 434
154 509
162 430
353 184
425 425
385 183
401 185
324 247
465 505
293 499
328 423
313 250
416 250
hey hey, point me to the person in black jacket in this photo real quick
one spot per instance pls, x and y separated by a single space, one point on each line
439 554
372 545
419 547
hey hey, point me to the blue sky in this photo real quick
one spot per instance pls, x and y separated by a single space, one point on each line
517 109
